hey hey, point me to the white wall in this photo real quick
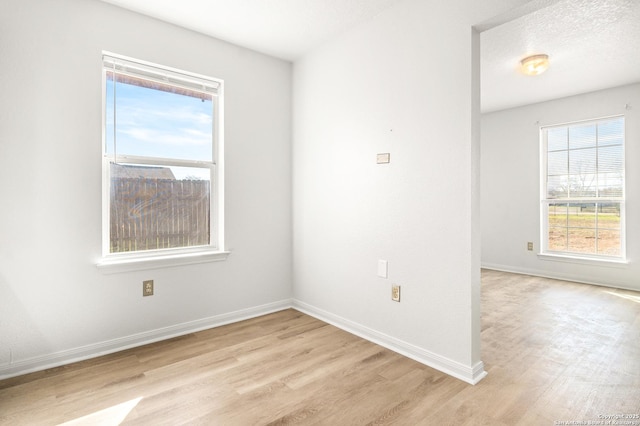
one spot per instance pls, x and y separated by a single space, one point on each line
510 176
402 84
54 303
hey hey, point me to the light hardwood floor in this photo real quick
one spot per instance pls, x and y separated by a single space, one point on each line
555 351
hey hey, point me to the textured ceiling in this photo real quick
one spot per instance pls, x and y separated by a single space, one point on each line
281 28
592 45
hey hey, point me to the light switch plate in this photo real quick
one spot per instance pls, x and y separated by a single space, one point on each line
383 269
383 158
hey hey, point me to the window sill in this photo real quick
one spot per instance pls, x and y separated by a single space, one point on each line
117 264
615 263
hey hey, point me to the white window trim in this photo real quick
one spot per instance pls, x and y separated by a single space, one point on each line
162 258
584 260
568 257
153 259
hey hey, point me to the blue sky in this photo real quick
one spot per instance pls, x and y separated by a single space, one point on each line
158 124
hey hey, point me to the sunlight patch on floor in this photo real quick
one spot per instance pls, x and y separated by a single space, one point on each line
625 296
111 416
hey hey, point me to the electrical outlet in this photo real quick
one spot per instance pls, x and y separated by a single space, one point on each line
147 288
395 293
530 246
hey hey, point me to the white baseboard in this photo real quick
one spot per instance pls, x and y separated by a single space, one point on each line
552 275
102 348
463 372
470 374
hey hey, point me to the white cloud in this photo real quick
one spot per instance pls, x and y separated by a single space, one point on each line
178 137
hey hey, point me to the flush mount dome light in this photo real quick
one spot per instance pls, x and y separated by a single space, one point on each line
536 64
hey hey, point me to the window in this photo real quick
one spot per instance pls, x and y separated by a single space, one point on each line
582 190
161 174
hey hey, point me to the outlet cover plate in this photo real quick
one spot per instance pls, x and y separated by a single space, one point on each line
147 288
395 293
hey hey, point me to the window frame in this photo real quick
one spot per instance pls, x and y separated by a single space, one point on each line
545 201
154 258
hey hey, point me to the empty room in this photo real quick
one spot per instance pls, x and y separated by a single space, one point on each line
333 212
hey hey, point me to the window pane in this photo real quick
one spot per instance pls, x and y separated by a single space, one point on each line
151 120
610 185
158 207
611 132
557 139
557 186
582 216
582 161
611 158
582 136
581 240
557 215
557 239
582 185
557 163
609 216
609 242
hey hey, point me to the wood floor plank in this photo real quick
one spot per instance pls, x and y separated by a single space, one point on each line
554 351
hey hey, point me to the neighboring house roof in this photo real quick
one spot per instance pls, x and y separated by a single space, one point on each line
140 172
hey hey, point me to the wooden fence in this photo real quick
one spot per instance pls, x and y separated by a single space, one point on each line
149 214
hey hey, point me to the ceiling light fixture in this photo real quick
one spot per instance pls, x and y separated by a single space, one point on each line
536 64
